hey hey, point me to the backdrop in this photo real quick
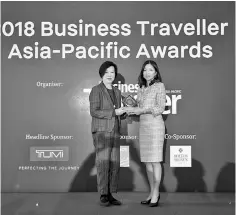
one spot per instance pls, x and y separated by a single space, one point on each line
45 101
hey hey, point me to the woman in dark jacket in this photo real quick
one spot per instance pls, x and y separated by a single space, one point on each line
105 109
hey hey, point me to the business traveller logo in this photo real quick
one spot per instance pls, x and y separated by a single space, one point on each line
173 97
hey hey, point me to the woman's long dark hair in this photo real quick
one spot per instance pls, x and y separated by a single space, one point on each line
142 81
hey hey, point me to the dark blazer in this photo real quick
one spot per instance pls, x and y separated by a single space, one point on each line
102 108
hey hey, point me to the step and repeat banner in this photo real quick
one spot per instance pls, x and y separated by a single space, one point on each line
51 53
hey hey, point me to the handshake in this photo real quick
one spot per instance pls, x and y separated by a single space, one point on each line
130 106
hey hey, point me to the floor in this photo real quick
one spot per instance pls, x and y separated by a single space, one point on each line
88 204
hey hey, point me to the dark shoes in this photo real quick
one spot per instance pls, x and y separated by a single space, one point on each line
150 204
156 203
104 200
146 202
113 201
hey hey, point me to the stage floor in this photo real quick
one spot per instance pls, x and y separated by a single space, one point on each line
88 204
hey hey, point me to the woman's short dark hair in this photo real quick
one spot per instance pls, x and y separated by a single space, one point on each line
104 67
142 81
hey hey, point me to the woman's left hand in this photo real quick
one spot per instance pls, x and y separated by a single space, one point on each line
135 111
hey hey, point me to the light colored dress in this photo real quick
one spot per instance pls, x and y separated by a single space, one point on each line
152 127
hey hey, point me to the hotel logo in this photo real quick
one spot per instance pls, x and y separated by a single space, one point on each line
180 156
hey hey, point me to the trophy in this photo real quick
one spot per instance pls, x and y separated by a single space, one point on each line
129 101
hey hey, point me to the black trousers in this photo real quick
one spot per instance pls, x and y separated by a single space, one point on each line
107 148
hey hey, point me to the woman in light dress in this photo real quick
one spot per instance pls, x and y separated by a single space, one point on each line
151 100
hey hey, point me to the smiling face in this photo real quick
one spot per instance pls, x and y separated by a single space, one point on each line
149 72
109 75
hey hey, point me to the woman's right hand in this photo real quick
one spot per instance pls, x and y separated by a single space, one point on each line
129 110
119 111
